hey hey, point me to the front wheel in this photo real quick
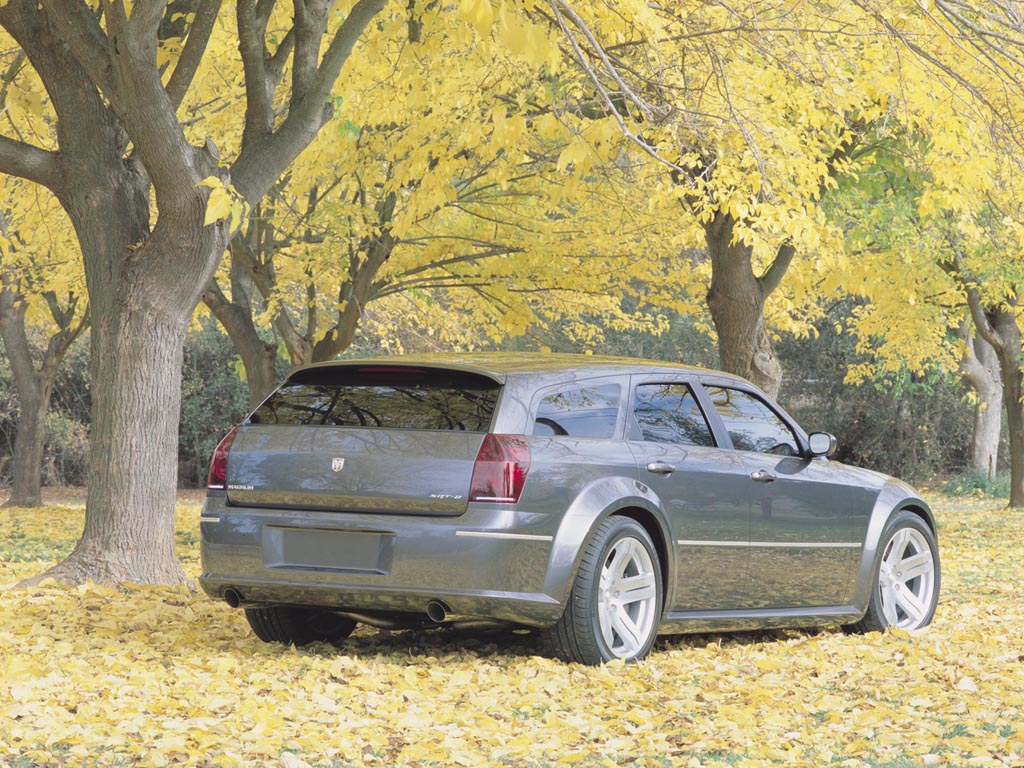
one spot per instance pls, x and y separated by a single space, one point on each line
615 605
907 576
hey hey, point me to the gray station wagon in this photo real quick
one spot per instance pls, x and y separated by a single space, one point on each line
601 500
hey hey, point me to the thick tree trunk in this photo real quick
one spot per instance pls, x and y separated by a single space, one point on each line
1015 414
981 370
136 389
736 301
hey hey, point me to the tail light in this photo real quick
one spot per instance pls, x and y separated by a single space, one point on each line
499 473
219 462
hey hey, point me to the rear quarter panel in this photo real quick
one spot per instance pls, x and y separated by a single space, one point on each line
580 482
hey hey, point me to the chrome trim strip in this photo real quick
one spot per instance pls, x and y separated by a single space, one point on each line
773 544
499 535
206 519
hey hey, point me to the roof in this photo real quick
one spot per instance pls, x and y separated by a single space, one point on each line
502 364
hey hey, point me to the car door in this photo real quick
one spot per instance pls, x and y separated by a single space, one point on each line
804 545
704 488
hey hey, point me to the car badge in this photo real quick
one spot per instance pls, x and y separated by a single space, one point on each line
337 465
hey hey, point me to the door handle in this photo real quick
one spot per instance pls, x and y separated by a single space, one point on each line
762 476
660 468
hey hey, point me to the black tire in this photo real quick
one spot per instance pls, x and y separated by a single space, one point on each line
907 541
298 626
578 636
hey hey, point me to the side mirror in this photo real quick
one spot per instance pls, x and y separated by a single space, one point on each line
821 443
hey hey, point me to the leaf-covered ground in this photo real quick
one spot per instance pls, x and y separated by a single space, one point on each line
154 677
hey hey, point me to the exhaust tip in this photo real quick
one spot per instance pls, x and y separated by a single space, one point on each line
232 597
437 611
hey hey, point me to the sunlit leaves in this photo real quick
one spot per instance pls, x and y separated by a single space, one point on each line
223 204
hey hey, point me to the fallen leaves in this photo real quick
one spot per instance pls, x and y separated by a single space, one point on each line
145 676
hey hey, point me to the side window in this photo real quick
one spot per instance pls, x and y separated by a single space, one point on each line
580 411
668 413
751 424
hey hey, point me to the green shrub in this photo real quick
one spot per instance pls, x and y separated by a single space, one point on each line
977 484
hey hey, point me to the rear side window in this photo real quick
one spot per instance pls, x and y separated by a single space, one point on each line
380 397
580 411
668 413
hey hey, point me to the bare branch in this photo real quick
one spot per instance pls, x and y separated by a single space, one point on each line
192 54
653 114
258 89
32 163
340 49
772 277
266 153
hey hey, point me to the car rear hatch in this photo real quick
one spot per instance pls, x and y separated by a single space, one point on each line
373 438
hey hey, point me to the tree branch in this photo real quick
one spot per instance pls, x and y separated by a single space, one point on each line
193 51
974 303
32 163
258 106
339 50
89 44
772 277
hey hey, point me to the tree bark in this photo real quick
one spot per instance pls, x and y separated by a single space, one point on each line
736 301
1011 352
998 326
981 370
34 389
121 145
258 357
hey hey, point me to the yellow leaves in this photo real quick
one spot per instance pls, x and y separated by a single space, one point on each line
111 676
224 203
479 13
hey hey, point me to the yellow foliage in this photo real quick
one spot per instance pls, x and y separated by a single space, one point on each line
146 676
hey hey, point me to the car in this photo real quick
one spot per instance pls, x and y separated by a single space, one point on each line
600 500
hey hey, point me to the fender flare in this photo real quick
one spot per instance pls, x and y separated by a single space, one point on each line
595 503
894 497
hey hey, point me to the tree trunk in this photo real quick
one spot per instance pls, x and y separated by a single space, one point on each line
26 484
136 389
28 443
981 370
736 301
118 152
1010 355
998 326
34 388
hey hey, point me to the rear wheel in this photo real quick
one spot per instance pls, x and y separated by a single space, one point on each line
906 585
298 626
615 605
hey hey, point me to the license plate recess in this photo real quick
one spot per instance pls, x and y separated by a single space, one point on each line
327 549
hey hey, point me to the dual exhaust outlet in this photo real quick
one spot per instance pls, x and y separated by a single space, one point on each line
437 611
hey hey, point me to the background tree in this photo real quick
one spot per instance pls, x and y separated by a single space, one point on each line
152 210
41 286
755 111
448 192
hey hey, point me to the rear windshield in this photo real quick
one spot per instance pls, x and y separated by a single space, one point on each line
383 398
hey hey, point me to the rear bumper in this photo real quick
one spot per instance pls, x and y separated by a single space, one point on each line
489 563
